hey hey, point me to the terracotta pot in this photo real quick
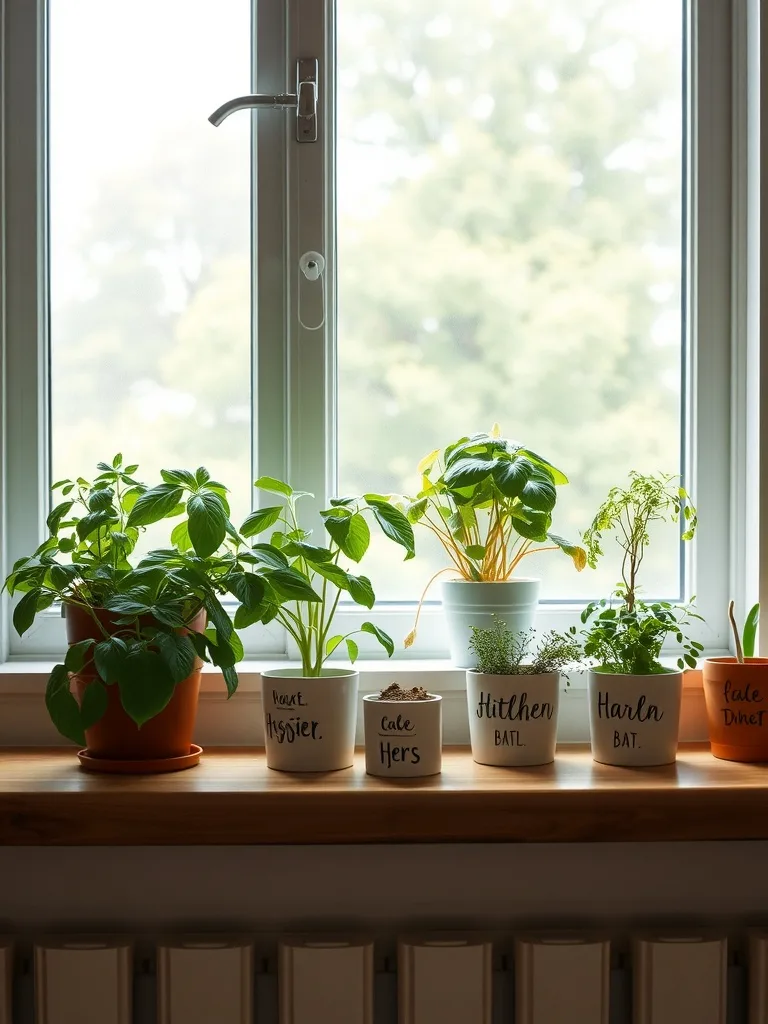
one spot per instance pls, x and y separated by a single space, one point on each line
116 736
737 708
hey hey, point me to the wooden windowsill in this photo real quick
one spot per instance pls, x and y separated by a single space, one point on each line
233 798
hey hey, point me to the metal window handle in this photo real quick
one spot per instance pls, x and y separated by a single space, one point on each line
304 100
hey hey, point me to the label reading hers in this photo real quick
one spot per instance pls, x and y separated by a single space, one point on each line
295 727
740 704
392 750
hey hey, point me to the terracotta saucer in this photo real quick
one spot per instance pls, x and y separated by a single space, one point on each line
152 767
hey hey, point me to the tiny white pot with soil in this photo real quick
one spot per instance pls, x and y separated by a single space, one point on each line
403 738
513 718
467 604
309 722
634 721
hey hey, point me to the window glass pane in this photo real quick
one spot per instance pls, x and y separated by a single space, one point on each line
510 191
150 237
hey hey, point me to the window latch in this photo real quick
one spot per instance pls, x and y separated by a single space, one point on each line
304 100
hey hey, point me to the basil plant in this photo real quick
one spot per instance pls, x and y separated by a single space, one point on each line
146 643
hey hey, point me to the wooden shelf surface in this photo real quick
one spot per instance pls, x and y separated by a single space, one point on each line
233 798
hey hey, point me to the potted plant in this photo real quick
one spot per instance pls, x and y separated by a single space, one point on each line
489 502
403 732
310 712
513 693
736 695
138 629
634 701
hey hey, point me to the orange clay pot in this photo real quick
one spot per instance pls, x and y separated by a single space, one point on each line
737 707
116 736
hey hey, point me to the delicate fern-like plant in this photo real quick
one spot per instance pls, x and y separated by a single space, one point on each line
501 652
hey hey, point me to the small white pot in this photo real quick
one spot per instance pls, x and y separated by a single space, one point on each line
309 723
403 738
468 604
634 720
513 719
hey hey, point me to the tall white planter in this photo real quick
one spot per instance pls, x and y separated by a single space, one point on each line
468 604
513 719
634 720
309 723
403 738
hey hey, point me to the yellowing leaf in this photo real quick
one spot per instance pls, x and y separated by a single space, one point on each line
428 462
408 642
495 430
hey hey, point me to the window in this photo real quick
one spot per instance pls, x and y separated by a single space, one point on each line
525 219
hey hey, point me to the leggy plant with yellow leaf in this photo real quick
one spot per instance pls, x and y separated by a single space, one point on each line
489 502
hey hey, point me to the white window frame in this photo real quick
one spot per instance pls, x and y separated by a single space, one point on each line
296 414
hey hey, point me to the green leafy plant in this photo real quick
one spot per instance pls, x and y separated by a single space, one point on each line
489 502
88 562
500 651
626 634
305 582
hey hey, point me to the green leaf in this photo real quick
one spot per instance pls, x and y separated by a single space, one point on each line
62 575
290 585
122 604
67 544
557 475
101 499
269 483
393 524
180 536
56 515
25 611
218 616
230 679
469 470
750 631
532 524
337 524
361 590
248 588
202 476
146 685
269 555
62 706
155 504
352 649
177 652
261 519
109 656
118 461
416 510
540 492
207 522
94 704
512 474
357 538
335 574
332 644
384 639
476 551
76 655
309 552
89 524
179 478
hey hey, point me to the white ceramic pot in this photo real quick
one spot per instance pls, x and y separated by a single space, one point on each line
634 720
403 738
513 719
309 723
468 604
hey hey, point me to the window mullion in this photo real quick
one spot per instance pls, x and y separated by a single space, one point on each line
24 367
